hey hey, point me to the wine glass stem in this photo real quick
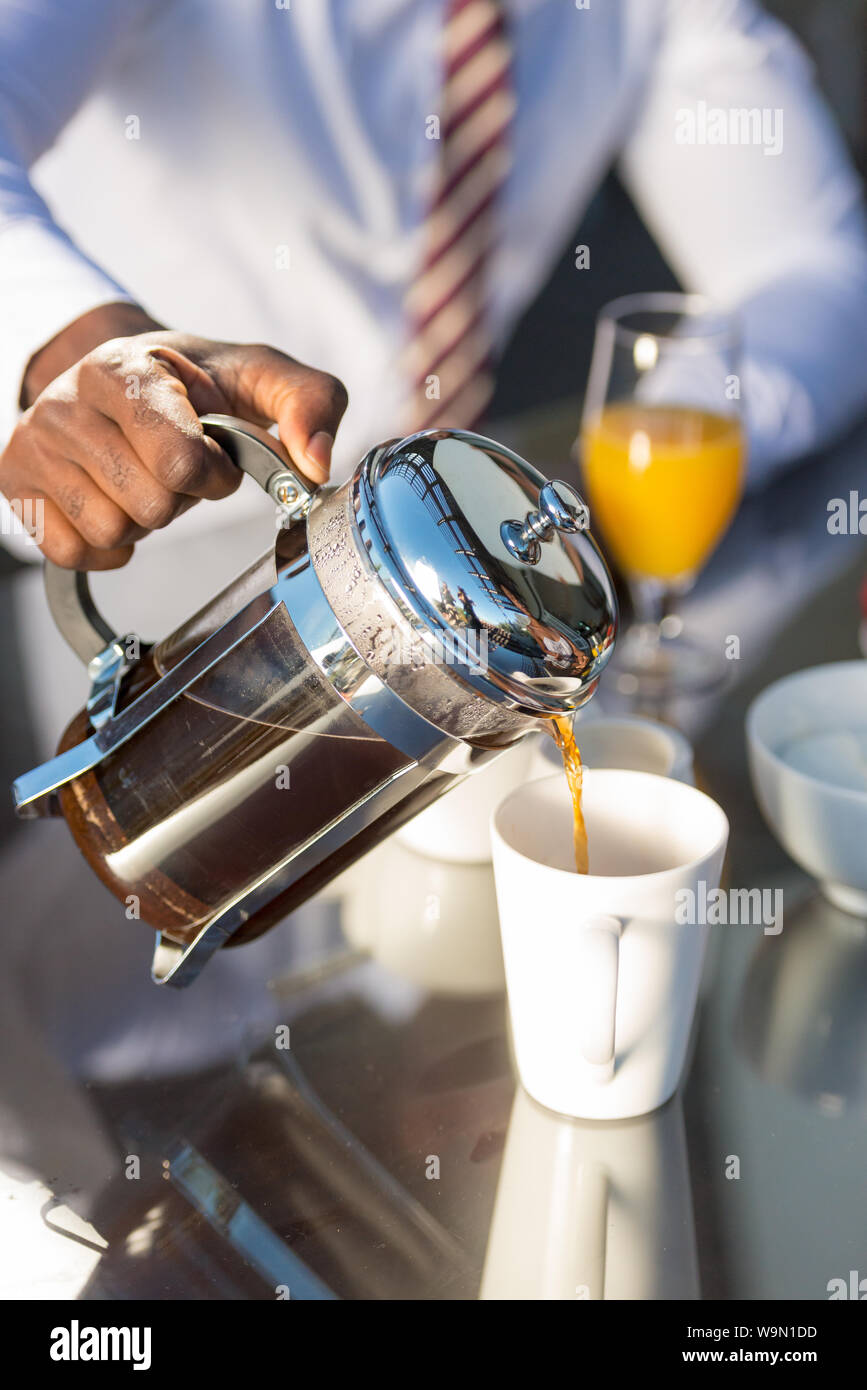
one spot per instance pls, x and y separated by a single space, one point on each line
652 602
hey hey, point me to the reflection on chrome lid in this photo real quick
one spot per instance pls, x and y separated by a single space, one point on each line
492 562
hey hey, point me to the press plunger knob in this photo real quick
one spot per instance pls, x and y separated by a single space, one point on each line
560 509
563 507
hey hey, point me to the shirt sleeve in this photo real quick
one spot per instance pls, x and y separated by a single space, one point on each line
772 221
51 56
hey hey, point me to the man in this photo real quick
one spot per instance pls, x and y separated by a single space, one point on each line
378 189
371 193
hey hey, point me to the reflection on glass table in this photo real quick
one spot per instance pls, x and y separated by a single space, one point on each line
589 1210
802 1022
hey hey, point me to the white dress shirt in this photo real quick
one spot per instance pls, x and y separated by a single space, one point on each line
258 171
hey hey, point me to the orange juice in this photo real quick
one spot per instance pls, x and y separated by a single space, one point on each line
663 482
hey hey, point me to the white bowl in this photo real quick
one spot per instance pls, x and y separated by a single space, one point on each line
805 736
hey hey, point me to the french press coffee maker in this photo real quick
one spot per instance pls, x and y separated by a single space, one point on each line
404 629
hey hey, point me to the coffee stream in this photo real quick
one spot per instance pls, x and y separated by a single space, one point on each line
563 736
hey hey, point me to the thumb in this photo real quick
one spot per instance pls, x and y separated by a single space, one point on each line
268 386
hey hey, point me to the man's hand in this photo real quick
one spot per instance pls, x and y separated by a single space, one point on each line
113 447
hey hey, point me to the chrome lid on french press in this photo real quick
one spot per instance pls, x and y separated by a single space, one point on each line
491 565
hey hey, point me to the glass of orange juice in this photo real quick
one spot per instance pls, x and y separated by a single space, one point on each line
663 456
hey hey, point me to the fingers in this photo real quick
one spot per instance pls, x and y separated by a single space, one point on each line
101 524
114 447
306 404
75 524
61 540
156 426
116 469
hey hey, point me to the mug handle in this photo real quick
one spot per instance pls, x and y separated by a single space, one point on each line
598 969
254 451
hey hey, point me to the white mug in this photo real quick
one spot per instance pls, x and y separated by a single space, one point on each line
457 827
427 921
641 745
602 977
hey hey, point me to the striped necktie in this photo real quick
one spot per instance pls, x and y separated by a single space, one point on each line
449 356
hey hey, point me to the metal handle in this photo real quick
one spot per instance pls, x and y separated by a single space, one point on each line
254 451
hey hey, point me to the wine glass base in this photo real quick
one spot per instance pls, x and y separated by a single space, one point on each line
660 663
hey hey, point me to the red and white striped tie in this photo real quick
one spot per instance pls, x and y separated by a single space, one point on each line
449 356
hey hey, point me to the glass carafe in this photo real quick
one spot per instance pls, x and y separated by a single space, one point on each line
218 778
